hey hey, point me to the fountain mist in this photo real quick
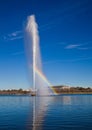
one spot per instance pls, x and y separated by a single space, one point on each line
40 83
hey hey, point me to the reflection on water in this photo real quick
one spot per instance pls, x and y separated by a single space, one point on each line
64 112
40 106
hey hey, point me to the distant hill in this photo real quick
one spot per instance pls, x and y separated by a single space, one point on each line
71 90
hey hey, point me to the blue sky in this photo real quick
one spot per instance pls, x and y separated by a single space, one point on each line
65 29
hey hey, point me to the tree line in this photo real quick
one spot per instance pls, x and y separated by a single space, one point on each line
71 90
58 89
14 92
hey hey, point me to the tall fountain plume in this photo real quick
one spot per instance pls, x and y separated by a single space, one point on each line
40 83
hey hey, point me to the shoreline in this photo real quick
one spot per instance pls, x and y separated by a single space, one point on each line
58 94
59 90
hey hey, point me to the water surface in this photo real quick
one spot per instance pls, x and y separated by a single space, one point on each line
66 112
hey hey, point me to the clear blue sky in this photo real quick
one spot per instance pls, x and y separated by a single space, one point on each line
65 29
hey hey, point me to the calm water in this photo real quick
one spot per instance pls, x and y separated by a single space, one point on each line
67 112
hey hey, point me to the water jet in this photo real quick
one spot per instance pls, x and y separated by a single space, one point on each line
40 85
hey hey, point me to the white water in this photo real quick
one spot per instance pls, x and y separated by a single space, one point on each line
40 83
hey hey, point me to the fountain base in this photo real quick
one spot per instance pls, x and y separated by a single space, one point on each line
33 92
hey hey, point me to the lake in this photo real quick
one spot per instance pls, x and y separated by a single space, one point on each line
65 112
